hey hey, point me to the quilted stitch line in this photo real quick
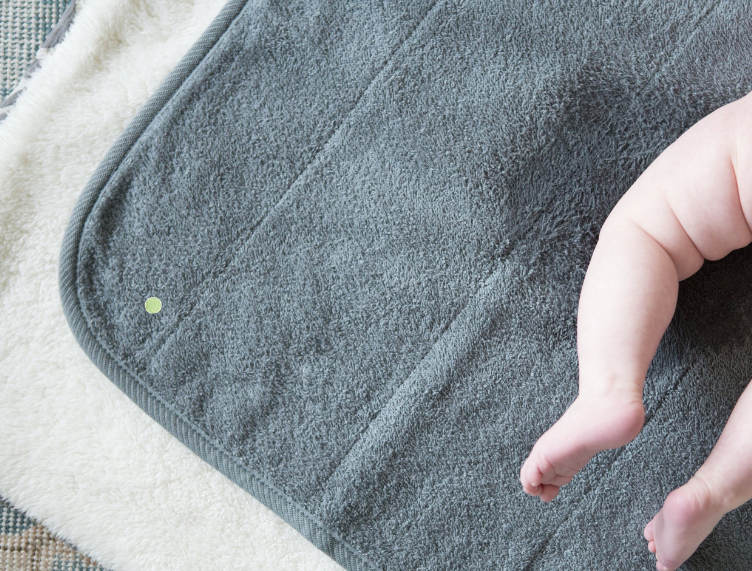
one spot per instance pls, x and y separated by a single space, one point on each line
240 242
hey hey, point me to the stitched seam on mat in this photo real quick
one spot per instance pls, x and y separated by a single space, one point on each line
669 63
237 461
507 249
160 116
197 430
240 242
445 330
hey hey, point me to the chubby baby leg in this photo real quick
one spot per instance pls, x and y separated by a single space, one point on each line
723 483
683 209
693 203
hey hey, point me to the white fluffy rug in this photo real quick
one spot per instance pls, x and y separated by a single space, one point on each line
75 452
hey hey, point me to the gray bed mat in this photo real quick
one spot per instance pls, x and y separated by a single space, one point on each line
368 224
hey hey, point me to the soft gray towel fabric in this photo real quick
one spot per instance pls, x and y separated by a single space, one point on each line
368 224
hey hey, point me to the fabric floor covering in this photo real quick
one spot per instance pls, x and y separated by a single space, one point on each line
28 28
367 225
76 455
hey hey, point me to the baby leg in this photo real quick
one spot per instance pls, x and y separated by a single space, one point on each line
723 483
690 204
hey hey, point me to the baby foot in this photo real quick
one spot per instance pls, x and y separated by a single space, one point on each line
688 515
593 422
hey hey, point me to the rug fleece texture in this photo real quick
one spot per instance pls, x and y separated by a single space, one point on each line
368 224
76 454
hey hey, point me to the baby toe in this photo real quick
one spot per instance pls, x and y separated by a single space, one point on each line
544 472
528 473
648 532
549 492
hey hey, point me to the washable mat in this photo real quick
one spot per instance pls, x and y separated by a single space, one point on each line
367 225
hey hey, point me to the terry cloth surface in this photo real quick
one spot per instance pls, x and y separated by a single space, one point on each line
368 225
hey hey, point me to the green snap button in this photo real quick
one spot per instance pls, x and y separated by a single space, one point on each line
153 305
